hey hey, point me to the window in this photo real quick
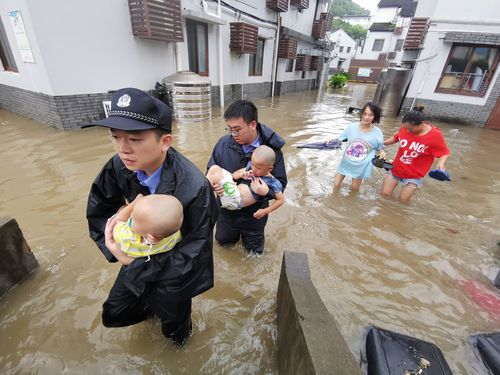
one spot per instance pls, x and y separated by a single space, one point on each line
378 44
348 49
399 45
289 65
341 49
255 66
468 70
197 39
8 62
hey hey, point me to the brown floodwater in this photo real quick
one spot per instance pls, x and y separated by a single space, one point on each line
406 268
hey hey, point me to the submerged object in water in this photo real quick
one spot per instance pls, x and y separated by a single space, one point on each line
332 144
488 347
391 353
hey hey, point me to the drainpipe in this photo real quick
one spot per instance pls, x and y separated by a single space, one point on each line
178 57
219 42
275 57
221 69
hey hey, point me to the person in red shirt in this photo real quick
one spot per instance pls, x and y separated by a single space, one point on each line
419 144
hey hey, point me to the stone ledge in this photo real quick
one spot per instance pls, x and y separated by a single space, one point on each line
309 341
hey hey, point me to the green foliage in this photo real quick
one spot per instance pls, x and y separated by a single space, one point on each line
347 8
337 80
345 74
356 32
481 64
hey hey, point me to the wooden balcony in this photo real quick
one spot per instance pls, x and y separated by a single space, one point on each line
155 19
319 29
328 17
287 47
303 63
277 5
316 63
416 33
244 37
300 4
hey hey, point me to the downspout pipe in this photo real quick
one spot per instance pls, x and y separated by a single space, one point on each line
219 43
275 57
221 68
178 57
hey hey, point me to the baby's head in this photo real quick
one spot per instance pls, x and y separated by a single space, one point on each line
157 216
263 159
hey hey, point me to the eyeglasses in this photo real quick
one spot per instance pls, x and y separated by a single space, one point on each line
235 132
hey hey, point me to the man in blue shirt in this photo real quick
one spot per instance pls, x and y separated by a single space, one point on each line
146 163
232 152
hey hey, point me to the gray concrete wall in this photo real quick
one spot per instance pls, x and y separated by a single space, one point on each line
71 111
294 86
309 341
62 112
17 259
251 91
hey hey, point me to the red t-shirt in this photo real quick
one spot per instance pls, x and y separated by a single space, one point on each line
416 153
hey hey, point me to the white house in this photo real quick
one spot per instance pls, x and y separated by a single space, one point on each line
60 59
363 21
455 61
388 30
344 50
383 45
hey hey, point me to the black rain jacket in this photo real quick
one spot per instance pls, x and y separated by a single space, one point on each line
188 269
229 155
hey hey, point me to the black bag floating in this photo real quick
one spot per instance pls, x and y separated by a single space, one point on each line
488 347
497 280
390 353
333 144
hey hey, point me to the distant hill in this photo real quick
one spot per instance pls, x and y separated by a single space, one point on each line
342 8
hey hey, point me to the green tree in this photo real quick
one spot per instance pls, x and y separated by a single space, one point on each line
341 8
356 32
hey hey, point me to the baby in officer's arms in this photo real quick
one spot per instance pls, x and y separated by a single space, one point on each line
149 225
255 186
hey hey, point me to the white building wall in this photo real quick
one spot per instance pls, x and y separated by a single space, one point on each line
368 52
30 76
364 22
342 39
385 15
88 47
436 51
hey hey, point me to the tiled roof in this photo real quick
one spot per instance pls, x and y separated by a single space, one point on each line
408 8
382 26
390 3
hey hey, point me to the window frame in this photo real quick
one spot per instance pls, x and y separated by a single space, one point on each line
381 47
481 92
192 40
401 42
289 65
6 57
253 60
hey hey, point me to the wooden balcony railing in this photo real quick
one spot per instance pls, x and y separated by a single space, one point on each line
156 19
244 37
287 47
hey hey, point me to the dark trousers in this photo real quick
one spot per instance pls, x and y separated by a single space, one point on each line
231 225
124 308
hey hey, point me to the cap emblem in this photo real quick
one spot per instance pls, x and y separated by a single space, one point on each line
123 101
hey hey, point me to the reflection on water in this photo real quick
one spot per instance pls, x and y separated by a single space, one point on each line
374 261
